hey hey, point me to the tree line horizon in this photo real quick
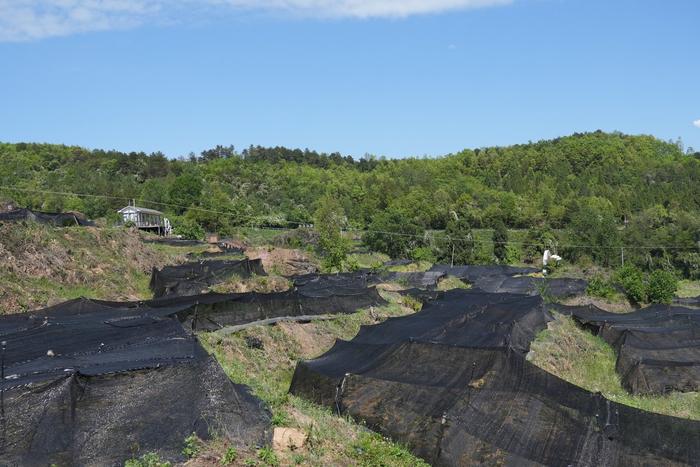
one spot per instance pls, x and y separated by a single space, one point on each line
601 190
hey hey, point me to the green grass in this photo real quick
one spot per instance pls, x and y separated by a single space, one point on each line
688 289
575 355
451 282
371 450
332 440
368 260
258 236
416 266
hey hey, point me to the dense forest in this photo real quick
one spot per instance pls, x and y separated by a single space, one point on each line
607 191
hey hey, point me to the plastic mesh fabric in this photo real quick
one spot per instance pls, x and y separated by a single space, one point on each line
92 383
58 219
453 384
173 241
658 347
366 278
317 295
195 277
509 279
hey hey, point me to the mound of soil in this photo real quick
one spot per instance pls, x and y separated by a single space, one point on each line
283 261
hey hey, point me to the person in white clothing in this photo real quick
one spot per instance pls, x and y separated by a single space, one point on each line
546 258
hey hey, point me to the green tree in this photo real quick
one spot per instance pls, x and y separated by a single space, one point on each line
187 228
393 233
594 232
185 191
457 242
329 223
538 239
500 242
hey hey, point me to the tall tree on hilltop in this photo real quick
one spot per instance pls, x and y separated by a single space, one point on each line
330 220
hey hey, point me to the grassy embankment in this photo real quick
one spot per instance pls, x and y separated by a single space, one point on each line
330 440
573 354
41 265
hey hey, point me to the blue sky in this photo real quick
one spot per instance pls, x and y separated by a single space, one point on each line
385 77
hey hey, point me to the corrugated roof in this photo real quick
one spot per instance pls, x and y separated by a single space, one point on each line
142 210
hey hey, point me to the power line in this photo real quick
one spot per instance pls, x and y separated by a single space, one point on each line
123 198
299 223
527 244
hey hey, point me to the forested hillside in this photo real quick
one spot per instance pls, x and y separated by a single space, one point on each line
608 190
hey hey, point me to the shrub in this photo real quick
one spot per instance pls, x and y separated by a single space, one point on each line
632 280
230 456
192 446
423 253
512 255
187 228
661 286
268 456
598 286
657 287
280 419
150 459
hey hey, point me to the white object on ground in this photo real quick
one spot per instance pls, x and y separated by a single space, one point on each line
549 256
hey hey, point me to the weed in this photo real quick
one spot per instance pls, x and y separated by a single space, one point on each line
150 459
229 456
268 456
543 290
192 446
452 282
280 418
372 450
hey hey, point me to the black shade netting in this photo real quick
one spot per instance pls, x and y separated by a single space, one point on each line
689 301
365 278
470 318
88 383
239 309
214 254
658 347
171 241
57 219
196 277
510 279
213 311
452 383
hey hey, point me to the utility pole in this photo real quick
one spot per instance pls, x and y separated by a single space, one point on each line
622 255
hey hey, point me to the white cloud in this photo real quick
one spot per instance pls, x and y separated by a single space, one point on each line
697 123
365 8
36 19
